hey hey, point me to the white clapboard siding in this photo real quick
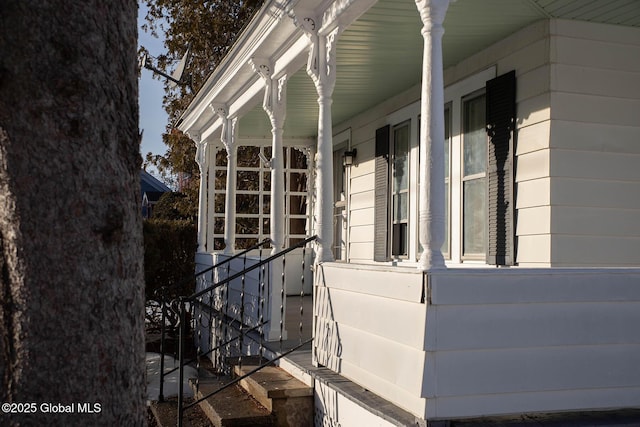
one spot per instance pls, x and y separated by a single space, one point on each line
595 105
370 328
532 340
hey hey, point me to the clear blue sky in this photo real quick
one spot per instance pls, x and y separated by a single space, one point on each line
153 118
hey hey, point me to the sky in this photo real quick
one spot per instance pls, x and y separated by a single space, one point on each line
153 118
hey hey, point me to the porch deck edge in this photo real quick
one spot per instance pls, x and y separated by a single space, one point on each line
301 362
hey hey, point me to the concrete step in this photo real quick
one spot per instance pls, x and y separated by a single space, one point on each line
232 407
288 399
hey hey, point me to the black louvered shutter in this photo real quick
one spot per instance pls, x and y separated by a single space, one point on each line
381 215
501 128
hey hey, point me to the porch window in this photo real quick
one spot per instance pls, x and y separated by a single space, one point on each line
253 196
400 190
474 173
479 132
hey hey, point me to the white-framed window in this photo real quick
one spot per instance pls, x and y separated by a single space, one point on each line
478 181
474 176
253 195
466 144
396 184
400 177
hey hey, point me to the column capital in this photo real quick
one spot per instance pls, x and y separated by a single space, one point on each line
274 103
432 13
194 135
220 109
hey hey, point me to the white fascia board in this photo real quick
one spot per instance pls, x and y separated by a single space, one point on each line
212 129
247 99
342 13
261 26
292 58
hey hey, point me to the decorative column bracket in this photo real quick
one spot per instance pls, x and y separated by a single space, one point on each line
321 67
203 165
228 138
274 104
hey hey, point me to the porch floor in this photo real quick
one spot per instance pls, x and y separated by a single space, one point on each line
299 327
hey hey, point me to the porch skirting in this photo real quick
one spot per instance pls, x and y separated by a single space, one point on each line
464 343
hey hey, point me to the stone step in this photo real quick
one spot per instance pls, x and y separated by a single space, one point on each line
288 399
232 407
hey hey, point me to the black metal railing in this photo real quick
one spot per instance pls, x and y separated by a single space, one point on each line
235 328
165 299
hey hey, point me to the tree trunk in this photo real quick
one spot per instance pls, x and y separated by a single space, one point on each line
71 287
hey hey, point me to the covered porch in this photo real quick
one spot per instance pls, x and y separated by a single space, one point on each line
295 120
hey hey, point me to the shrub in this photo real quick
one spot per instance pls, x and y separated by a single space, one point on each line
169 256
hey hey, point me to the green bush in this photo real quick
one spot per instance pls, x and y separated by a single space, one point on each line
169 256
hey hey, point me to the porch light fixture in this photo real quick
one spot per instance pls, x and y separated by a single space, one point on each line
349 157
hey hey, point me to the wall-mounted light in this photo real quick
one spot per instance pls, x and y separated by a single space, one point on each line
349 157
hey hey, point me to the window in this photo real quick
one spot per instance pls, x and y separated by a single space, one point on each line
446 246
253 196
474 174
479 131
400 190
478 169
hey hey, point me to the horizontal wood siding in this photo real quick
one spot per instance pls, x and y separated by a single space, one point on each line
595 179
526 52
370 328
532 340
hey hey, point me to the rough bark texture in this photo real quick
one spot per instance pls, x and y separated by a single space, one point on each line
71 287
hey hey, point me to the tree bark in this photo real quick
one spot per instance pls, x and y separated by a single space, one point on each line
71 277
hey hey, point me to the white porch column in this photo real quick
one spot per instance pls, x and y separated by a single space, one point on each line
203 165
321 67
274 105
432 190
228 138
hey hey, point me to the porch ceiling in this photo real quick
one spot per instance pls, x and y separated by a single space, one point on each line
381 53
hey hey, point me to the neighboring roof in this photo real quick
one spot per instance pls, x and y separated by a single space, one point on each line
150 184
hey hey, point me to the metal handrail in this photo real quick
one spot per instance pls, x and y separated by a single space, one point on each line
213 267
251 268
183 282
182 301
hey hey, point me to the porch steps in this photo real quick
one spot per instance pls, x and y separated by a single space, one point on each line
289 400
232 407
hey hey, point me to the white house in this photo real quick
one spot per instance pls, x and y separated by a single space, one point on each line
479 244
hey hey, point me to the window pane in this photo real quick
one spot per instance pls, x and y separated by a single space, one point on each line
218 227
447 136
298 181
221 179
221 158
474 216
447 220
266 181
298 226
248 156
298 159
246 243
400 240
218 203
298 205
266 204
247 203
248 180
401 158
475 137
400 207
247 225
